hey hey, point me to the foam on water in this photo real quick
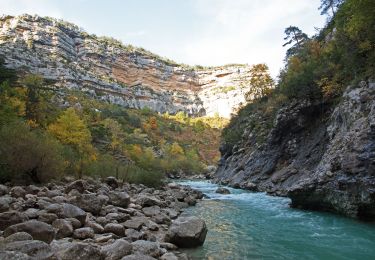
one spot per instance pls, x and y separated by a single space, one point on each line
248 225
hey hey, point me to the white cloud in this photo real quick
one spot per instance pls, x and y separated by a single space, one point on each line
244 31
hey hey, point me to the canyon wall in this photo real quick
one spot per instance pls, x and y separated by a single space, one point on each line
124 75
321 156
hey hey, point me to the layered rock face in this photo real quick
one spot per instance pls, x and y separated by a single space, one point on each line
124 75
322 158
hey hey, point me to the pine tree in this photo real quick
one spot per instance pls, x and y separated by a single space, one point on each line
329 5
296 37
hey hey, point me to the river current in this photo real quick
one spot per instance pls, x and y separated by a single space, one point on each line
248 225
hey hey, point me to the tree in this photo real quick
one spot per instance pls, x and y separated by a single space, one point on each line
327 5
34 109
71 130
261 82
117 134
296 37
26 153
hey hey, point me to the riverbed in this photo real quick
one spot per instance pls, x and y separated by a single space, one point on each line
249 225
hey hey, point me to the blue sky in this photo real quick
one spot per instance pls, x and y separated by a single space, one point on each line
205 32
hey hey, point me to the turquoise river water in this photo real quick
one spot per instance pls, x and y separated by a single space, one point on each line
248 225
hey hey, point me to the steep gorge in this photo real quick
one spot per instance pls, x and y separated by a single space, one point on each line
320 155
111 71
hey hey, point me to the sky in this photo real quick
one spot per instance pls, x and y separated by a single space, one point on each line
204 32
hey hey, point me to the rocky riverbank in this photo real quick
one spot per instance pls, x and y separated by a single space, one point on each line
89 219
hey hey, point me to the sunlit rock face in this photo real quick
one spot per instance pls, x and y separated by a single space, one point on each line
124 75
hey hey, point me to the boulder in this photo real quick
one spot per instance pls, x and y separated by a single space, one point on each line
38 230
47 217
112 182
187 232
71 211
120 199
79 251
19 236
79 185
10 218
17 192
138 257
12 255
98 229
146 247
84 233
116 250
88 202
3 190
114 228
151 211
64 228
33 248
222 190
169 256
135 222
5 202
147 200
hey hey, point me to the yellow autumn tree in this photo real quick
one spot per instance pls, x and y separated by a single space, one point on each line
176 149
71 130
117 134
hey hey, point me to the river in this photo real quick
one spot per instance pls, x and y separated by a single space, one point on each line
248 225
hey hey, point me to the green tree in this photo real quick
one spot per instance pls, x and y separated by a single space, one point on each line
33 84
261 82
329 5
26 153
296 38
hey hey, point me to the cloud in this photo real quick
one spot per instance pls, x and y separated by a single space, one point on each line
244 31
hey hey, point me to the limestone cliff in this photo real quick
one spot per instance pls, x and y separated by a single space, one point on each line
109 70
321 156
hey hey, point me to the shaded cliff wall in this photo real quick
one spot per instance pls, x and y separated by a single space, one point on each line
321 156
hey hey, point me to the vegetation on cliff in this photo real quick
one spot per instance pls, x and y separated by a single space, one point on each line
317 68
46 133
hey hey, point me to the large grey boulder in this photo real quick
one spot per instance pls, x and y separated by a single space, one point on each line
88 202
19 236
64 228
34 248
12 255
147 248
71 211
115 228
5 202
10 218
138 257
147 200
83 233
187 232
116 250
38 230
80 251
120 199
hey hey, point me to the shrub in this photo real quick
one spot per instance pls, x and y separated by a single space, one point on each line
26 153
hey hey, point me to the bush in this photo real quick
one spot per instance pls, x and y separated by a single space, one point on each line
31 154
146 177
